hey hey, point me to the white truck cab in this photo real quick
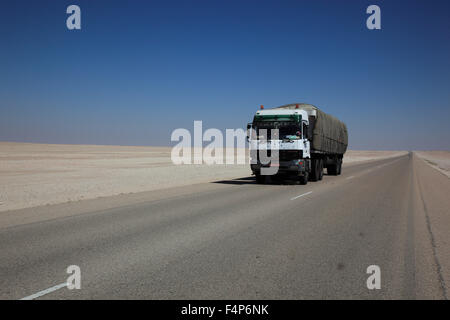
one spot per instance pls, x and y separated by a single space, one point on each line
292 131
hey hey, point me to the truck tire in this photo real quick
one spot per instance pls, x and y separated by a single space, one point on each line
304 178
320 173
339 169
259 178
313 175
331 169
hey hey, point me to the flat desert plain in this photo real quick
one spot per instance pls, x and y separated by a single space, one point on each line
41 174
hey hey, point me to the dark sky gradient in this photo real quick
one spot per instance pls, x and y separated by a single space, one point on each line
139 69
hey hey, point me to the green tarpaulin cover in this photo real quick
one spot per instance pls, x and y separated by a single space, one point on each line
329 134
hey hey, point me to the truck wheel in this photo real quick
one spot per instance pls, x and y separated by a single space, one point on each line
313 176
304 178
331 169
320 173
339 169
259 178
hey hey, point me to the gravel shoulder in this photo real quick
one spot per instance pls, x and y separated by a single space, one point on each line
439 160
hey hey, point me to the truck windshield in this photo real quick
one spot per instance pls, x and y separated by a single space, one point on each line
286 130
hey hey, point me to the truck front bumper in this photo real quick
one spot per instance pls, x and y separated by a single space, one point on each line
292 166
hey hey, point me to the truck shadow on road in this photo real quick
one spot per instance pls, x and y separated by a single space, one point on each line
244 180
252 180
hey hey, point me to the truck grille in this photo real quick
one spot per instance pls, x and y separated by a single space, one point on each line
285 155
288 155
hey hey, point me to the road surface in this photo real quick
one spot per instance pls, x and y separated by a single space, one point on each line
239 240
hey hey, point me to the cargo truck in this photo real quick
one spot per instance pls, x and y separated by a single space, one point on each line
306 138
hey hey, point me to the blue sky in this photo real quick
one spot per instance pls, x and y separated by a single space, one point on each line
139 69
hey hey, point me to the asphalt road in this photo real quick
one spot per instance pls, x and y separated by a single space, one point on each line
239 240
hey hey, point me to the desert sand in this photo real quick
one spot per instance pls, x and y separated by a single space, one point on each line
42 174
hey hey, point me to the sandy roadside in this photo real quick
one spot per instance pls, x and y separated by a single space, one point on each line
42 174
439 160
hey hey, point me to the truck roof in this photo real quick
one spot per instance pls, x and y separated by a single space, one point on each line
329 133
309 108
270 112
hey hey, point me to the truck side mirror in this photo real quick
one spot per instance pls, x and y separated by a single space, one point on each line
249 127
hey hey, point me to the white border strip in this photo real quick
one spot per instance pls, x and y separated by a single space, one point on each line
304 194
46 291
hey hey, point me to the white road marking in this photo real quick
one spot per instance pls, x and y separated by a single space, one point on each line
351 177
304 194
46 291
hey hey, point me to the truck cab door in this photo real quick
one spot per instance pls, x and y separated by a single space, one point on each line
305 138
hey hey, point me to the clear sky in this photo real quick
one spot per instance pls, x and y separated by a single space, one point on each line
139 69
